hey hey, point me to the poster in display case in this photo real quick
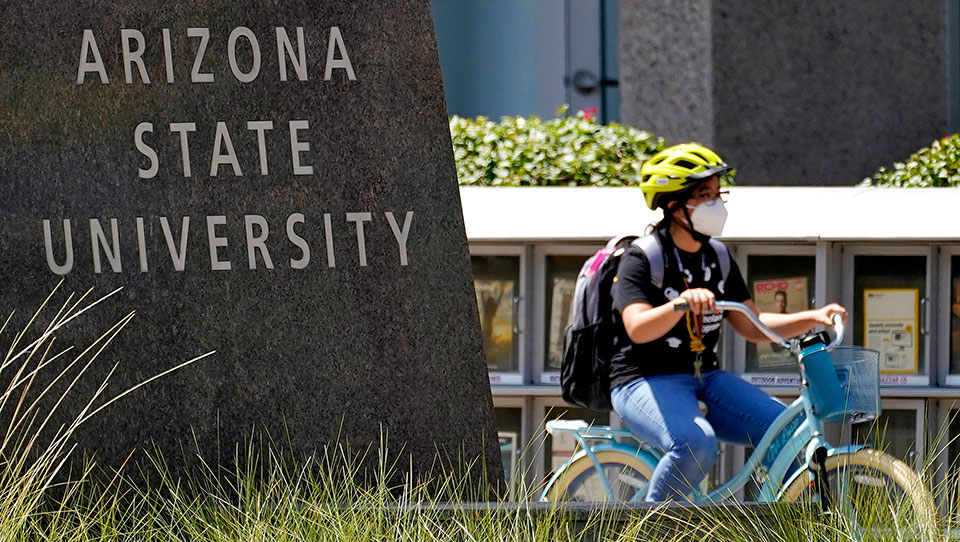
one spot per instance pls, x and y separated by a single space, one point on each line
561 309
955 327
495 301
891 327
779 295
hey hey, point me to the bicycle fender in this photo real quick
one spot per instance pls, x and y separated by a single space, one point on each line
648 457
846 449
830 453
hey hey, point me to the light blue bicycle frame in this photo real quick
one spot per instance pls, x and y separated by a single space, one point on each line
796 431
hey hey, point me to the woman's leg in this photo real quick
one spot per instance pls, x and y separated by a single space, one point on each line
738 411
662 410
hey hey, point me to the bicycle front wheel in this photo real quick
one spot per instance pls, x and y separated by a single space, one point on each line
581 482
879 497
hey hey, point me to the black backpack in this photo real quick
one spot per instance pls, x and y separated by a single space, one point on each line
588 338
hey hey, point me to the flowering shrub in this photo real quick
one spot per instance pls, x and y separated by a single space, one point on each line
563 151
936 165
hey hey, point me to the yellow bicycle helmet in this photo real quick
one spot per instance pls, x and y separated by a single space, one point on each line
676 169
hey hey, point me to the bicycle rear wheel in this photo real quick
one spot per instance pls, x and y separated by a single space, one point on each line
580 482
878 496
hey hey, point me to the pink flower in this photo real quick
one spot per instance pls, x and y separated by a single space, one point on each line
589 114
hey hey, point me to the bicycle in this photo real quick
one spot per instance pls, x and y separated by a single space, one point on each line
874 490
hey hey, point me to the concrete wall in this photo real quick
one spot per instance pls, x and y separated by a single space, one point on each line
792 92
666 68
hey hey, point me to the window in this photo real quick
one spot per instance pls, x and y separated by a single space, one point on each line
894 432
496 280
778 284
888 299
555 271
509 423
751 490
953 455
953 305
501 58
557 450
561 278
527 57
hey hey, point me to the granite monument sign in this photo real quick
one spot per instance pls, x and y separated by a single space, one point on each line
269 180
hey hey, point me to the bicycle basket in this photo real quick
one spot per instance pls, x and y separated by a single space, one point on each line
858 397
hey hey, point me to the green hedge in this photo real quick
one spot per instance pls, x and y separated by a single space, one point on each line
563 151
936 165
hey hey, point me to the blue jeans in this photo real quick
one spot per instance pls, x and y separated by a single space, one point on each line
662 410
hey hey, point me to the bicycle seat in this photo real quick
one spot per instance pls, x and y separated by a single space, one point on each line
566 425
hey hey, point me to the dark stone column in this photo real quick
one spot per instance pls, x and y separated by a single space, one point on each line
320 251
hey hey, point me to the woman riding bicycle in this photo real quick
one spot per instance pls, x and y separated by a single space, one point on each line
664 360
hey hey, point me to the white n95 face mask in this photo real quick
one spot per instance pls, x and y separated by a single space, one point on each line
709 217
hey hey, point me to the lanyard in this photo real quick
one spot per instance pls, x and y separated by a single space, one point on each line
683 270
694 323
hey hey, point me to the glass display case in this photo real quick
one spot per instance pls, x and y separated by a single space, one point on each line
510 434
561 278
949 311
557 450
949 440
898 431
777 283
496 280
560 266
740 454
889 309
780 278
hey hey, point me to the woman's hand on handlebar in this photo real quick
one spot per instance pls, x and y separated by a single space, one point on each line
701 300
824 315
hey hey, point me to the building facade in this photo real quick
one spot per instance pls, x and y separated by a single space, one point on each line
793 93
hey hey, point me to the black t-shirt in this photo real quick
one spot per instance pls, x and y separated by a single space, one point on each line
671 353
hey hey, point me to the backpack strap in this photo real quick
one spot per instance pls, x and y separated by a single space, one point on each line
723 256
650 245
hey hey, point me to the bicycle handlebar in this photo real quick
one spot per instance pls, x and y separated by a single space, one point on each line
838 328
767 332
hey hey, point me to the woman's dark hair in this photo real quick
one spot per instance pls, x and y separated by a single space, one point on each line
664 223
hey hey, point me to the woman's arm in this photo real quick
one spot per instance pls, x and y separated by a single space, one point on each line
645 323
786 325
